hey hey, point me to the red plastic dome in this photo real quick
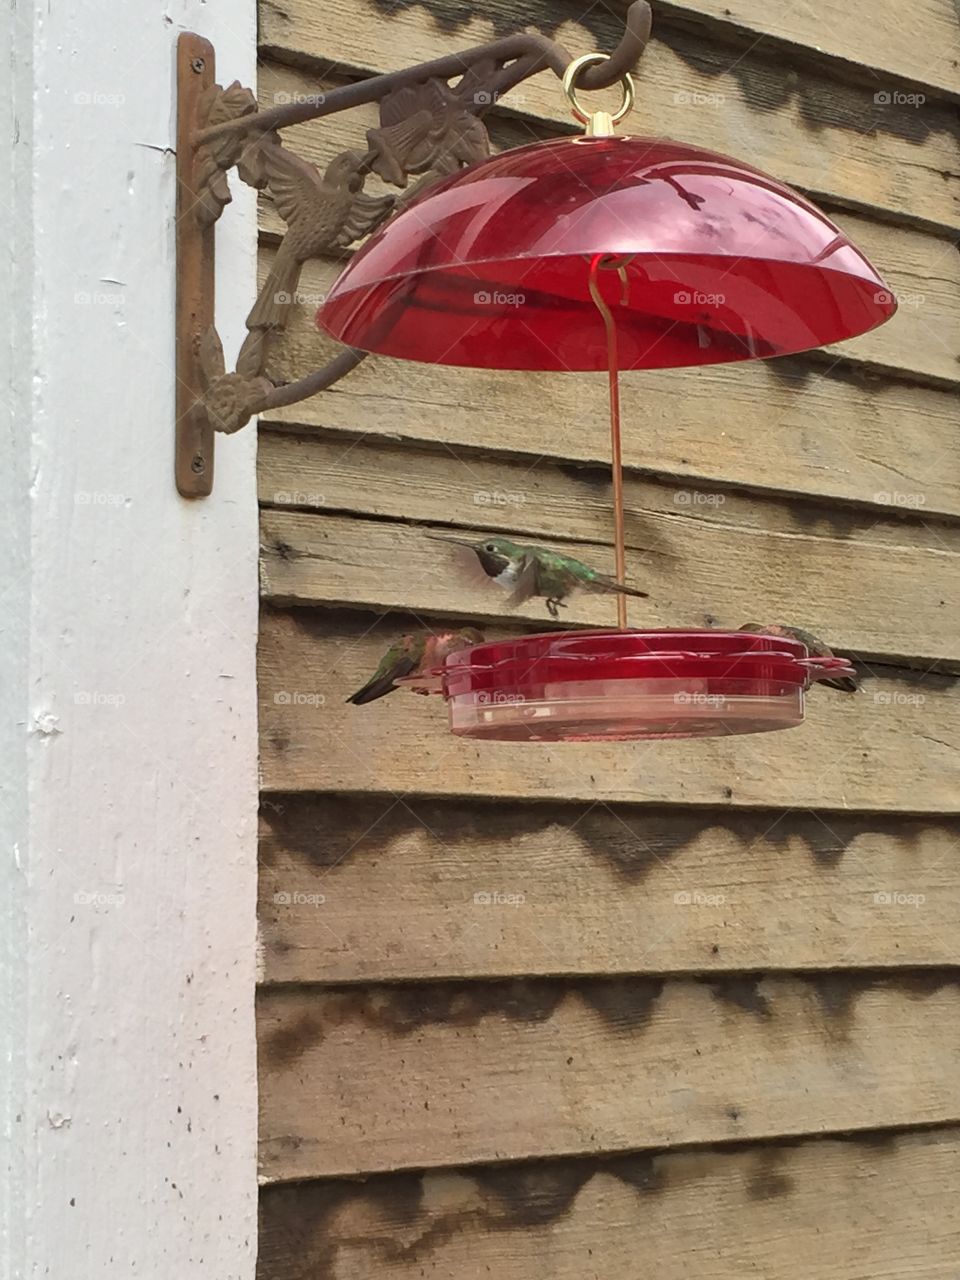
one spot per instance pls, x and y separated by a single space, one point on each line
490 268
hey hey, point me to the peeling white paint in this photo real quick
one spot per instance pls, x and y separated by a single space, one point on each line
127 762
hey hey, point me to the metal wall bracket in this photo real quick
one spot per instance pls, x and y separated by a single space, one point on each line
195 272
429 128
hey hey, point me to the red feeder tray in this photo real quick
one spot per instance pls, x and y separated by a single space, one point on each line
587 686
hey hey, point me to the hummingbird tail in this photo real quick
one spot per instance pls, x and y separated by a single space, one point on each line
272 307
631 591
604 583
846 684
372 690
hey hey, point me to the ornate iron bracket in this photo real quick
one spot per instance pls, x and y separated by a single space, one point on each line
428 128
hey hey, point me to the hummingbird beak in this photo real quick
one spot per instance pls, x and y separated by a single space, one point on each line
456 542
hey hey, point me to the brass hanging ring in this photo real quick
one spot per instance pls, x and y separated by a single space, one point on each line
570 88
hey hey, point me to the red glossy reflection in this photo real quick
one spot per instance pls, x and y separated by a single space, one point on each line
583 686
490 268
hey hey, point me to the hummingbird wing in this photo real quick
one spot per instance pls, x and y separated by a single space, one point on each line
395 665
527 583
365 212
295 184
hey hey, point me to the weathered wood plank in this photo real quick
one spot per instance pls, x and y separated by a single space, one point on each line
922 269
458 1073
779 425
825 1209
814 131
327 471
875 598
424 889
894 50
891 748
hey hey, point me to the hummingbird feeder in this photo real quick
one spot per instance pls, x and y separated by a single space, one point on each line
605 252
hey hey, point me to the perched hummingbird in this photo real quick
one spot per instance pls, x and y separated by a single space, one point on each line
816 647
536 571
413 654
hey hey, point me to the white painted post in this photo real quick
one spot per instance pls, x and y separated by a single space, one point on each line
129 616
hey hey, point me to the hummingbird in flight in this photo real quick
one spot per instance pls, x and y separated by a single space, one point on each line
816 647
415 653
528 571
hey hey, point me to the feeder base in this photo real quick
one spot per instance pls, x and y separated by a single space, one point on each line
621 710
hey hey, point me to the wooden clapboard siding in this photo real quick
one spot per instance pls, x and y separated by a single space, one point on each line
365 1079
781 425
861 1208
894 747
696 572
586 1011
330 471
890 46
921 268
816 131
418 889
